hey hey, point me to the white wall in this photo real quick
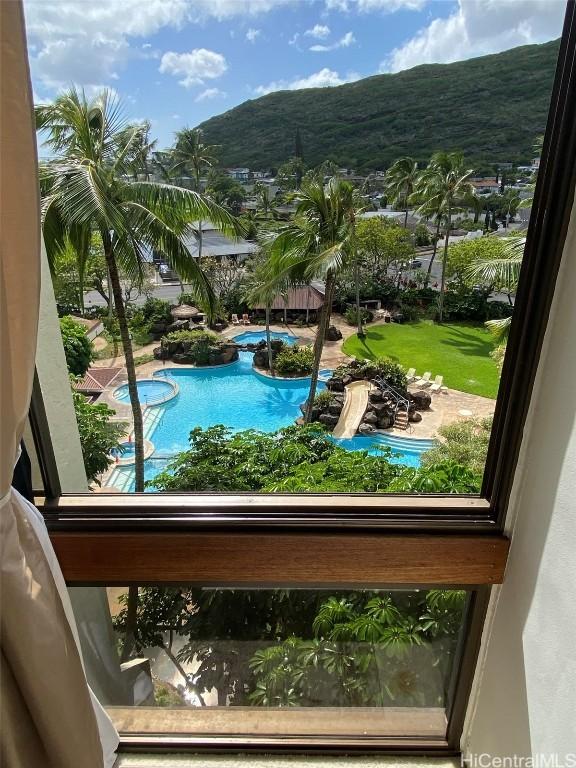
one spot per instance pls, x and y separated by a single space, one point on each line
525 692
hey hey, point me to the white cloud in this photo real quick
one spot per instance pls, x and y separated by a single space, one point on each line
210 93
370 6
344 42
196 66
319 31
325 78
252 34
88 42
479 27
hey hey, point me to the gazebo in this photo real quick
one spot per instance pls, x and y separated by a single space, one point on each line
186 312
302 298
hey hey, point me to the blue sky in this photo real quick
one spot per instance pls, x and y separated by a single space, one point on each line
178 62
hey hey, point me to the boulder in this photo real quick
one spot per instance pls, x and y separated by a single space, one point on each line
421 400
380 409
261 358
375 396
370 418
366 429
347 379
328 420
333 334
415 417
385 421
335 384
335 408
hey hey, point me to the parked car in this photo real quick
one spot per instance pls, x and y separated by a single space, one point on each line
415 264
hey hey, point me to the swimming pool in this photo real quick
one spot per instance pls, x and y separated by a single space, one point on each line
238 397
254 337
149 391
405 450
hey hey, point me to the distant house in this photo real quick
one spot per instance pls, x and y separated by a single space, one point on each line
95 381
217 245
240 174
302 299
485 186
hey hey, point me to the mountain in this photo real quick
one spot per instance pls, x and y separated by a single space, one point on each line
491 108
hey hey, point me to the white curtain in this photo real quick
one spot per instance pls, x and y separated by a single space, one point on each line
49 717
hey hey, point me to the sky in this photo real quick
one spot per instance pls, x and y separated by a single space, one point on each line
179 62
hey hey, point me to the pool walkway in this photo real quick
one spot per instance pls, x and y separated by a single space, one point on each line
353 411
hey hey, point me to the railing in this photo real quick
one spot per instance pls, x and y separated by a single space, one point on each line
398 396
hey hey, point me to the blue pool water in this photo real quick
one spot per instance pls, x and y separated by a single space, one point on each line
405 450
128 451
148 391
253 337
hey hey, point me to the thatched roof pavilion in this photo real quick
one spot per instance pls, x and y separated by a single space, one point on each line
184 312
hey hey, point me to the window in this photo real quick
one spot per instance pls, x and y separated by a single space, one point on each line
400 535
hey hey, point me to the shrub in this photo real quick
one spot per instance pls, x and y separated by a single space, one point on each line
295 361
323 399
465 443
77 346
384 368
351 315
98 435
422 235
199 335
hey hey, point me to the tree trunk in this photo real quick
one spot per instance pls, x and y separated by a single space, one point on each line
131 623
357 281
429 272
406 219
268 341
110 302
325 313
444 259
138 430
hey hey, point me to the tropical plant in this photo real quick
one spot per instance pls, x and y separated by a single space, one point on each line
193 156
464 442
401 181
318 243
295 361
77 346
262 287
351 316
98 435
443 186
86 189
503 271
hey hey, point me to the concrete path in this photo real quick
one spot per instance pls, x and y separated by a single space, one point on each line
354 408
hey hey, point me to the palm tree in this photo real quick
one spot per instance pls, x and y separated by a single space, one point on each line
400 182
87 190
192 155
264 286
504 272
443 186
318 243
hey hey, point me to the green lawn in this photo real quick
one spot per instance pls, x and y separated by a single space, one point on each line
458 351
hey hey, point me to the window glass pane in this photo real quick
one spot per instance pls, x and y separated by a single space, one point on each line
333 317
271 662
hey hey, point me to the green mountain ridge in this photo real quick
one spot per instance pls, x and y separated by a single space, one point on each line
490 107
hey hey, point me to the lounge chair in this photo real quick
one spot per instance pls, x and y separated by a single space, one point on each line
425 380
235 320
245 319
437 386
411 374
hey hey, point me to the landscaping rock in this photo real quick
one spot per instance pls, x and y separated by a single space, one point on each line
335 408
335 384
333 334
347 379
370 418
380 409
366 429
385 421
421 400
328 420
375 396
415 417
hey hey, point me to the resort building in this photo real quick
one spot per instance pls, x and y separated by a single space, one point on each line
217 245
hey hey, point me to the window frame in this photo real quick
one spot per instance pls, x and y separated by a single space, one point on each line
448 523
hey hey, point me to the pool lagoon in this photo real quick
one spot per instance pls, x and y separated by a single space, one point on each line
240 398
